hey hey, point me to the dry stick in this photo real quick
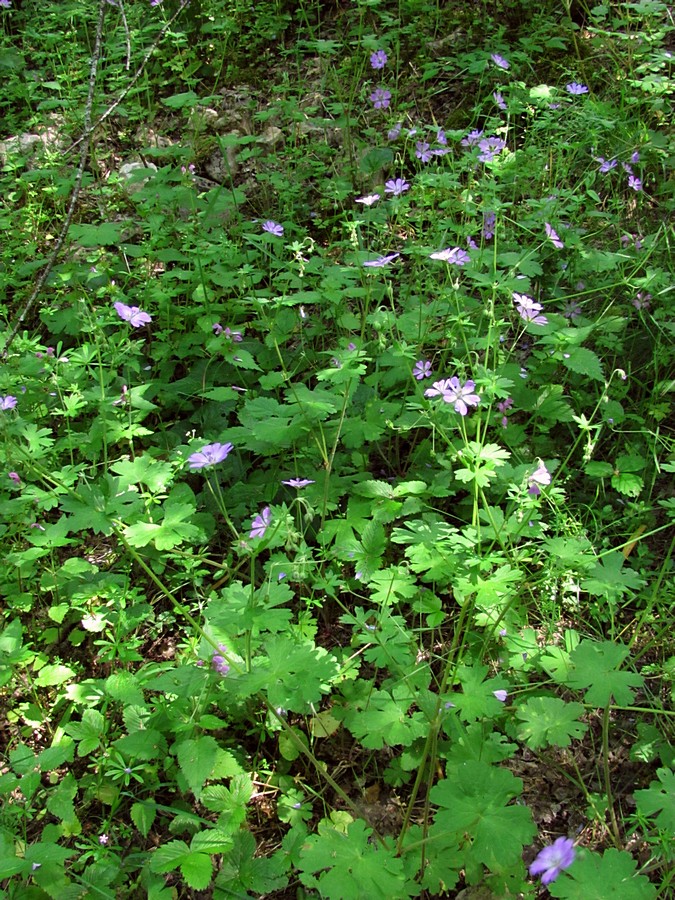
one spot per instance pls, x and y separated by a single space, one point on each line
84 152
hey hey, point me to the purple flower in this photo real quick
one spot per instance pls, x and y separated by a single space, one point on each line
635 158
423 153
528 310
540 476
156 2
606 165
298 482
8 402
489 219
422 369
394 132
209 455
472 245
6 4
628 169
273 228
552 860
396 187
501 695
489 148
132 314
640 302
634 182
218 661
552 236
472 138
261 523
368 200
16 478
103 839
453 256
499 100
217 328
381 261
380 98
499 60
233 335
575 88
453 391
441 138
378 59
572 310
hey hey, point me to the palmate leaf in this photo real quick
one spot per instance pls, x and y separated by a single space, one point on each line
595 666
595 877
550 721
475 801
659 798
346 866
386 720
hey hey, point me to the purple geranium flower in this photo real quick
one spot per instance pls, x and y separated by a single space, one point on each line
381 261
380 98
396 187
550 861
422 152
540 476
261 523
368 200
529 310
441 137
132 314
499 100
209 455
453 391
552 236
16 478
501 695
472 138
217 328
489 219
499 60
6 4
490 147
273 228
8 402
634 182
298 482
454 256
606 165
378 59
394 132
575 88
422 369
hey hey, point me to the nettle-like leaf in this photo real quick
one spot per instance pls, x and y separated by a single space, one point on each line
89 732
659 800
595 877
584 362
195 862
347 866
143 815
197 759
595 666
244 874
549 721
474 805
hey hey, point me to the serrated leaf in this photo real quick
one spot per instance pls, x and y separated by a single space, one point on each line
169 856
143 815
197 870
595 666
595 877
584 362
50 676
659 799
197 759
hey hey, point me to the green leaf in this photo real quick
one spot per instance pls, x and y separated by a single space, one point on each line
105 234
584 362
550 721
180 101
197 870
144 469
474 805
143 815
385 720
89 732
659 798
595 666
347 866
50 676
612 577
169 856
376 159
197 759
595 877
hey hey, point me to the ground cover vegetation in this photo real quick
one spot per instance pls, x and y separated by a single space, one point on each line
337 450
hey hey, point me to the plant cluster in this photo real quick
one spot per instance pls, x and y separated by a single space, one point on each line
337 493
